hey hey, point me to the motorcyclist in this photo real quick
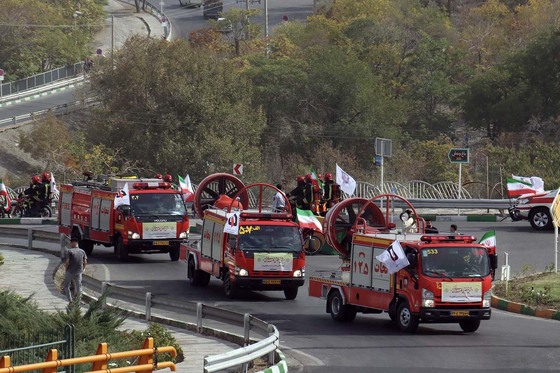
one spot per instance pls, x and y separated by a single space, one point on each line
45 189
33 196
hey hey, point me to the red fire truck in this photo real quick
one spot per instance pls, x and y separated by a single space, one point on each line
155 221
263 252
448 279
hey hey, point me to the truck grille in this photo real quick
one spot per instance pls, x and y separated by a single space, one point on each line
272 273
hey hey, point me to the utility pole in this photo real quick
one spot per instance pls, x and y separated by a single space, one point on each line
112 41
246 4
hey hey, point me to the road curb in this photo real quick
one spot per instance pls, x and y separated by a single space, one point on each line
520 308
281 367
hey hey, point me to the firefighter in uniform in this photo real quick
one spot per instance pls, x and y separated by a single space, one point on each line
45 189
295 196
308 192
33 196
331 192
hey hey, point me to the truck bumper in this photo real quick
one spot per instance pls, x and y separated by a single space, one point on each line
451 315
268 283
153 246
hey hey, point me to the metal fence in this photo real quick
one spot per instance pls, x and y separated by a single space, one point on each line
30 349
38 80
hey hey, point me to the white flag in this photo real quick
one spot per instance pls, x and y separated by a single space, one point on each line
232 222
393 258
122 197
54 189
346 182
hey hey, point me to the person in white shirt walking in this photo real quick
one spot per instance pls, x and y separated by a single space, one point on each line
279 200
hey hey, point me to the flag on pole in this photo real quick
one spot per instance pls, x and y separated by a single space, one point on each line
393 258
307 219
6 196
186 187
346 182
122 197
315 178
488 239
54 189
518 185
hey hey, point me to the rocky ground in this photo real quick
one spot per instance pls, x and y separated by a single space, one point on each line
15 164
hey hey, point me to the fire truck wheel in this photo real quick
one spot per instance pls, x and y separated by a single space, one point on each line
121 250
407 321
196 276
230 289
339 310
174 253
87 246
469 326
290 293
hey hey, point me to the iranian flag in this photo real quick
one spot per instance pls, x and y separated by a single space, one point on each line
315 178
186 187
488 239
4 193
517 186
307 219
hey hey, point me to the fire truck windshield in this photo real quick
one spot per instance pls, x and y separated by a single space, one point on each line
455 262
270 238
143 204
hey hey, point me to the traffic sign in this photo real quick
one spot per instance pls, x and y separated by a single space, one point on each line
383 147
459 155
237 169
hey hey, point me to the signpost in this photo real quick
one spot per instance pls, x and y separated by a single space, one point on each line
555 212
1 79
459 155
237 169
383 148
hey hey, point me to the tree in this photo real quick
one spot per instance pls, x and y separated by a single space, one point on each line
190 112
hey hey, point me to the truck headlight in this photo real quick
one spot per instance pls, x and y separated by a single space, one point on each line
133 235
427 298
241 272
299 273
184 234
487 299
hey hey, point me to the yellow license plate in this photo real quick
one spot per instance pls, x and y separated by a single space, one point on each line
460 313
161 243
271 282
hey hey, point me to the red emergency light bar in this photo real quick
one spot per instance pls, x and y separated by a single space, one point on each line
149 185
448 238
264 216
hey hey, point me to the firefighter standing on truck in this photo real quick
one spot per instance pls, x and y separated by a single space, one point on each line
331 191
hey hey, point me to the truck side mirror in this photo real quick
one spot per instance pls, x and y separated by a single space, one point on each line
412 259
493 261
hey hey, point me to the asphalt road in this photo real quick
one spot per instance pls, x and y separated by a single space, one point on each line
507 342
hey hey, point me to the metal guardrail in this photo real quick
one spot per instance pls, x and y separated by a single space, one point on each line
59 109
201 311
147 360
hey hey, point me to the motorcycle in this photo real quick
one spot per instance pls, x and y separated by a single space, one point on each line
22 208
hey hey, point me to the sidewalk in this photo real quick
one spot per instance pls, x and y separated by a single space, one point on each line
30 273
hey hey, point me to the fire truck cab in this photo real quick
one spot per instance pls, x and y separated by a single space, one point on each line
155 221
243 243
448 278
